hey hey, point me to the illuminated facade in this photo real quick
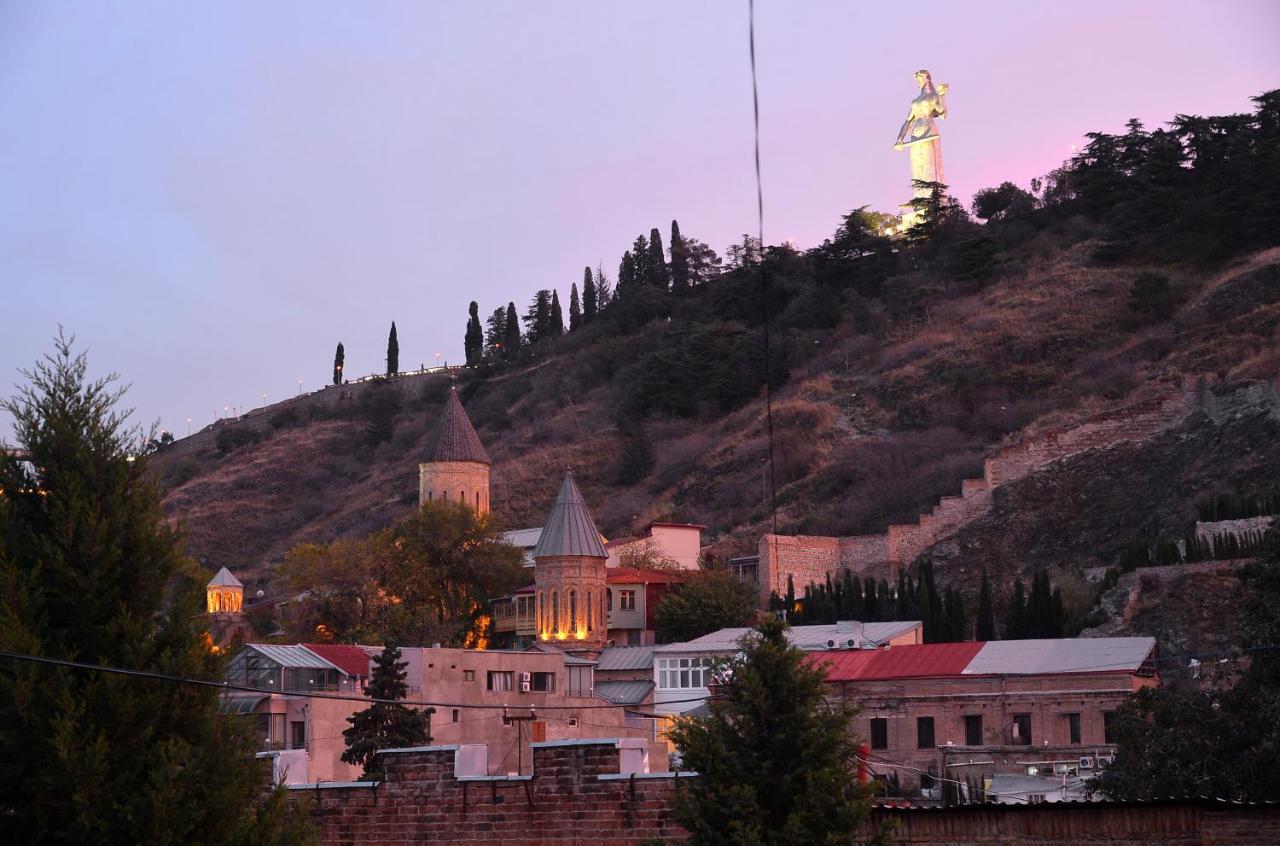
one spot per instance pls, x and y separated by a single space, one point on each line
570 575
224 594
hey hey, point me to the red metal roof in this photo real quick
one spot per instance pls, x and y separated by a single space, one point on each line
926 660
644 576
351 659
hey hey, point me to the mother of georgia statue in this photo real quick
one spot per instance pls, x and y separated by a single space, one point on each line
919 133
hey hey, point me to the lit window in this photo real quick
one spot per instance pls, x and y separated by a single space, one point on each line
573 610
555 611
590 615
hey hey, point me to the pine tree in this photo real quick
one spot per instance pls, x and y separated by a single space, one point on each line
679 261
495 336
575 309
774 757
339 356
556 324
384 725
92 571
986 623
640 259
393 351
605 293
537 319
473 343
511 342
590 301
655 265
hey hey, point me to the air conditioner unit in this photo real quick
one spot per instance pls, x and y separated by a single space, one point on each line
1086 763
853 643
525 686
1105 760
526 677
831 644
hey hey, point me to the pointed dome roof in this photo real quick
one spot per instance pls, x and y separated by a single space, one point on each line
454 439
225 579
569 529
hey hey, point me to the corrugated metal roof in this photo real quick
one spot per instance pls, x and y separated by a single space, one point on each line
626 658
624 692
569 529
292 656
351 659
805 637
1074 655
526 538
224 578
929 660
454 438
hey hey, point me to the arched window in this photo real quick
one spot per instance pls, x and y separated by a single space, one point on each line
477 500
573 610
444 496
431 495
591 616
555 611
462 497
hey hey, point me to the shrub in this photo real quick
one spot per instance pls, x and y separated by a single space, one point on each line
231 438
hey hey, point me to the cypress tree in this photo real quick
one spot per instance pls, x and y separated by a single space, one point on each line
589 296
511 342
496 332
575 308
953 611
791 596
626 275
556 324
393 351
986 623
1015 614
679 261
537 320
92 571
384 725
870 600
474 340
655 264
339 356
640 259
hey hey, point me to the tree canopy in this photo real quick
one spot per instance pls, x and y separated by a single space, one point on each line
708 600
387 724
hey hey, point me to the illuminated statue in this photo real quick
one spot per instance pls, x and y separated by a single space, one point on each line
919 134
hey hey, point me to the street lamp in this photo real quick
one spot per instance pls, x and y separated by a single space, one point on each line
299 387
188 427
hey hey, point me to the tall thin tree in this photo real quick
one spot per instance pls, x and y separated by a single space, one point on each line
556 325
679 261
393 351
590 303
575 308
655 265
511 343
473 342
339 357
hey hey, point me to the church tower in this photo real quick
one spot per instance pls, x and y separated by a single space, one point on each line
569 575
456 466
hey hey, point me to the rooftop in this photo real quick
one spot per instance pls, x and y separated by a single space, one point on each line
805 637
224 578
297 657
569 530
626 658
644 576
624 692
351 659
454 438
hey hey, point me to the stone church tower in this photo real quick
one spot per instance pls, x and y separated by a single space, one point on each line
456 466
569 575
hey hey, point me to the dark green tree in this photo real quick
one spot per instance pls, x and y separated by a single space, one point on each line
495 335
537 319
753 787
708 600
92 571
339 357
386 724
936 210
1007 202
1015 624
473 343
393 351
986 622
556 324
626 275
1150 298
605 292
511 342
655 265
590 303
679 261
575 308
640 258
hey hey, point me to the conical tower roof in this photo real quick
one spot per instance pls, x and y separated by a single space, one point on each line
569 529
454 438
224 578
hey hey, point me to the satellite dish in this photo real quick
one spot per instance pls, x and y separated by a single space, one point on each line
261 593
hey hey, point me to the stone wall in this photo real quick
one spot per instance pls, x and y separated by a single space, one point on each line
1240 527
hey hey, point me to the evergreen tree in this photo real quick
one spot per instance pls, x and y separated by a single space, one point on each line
393 351
604 291
339 356
92 571
384 725
754 785
640 259
556 324
511 342
1150 298
655 265
575 308
870 600
626 275
496 332
473 343
986 623
1015 614
679 261
957 627
708 601
590 302
790 596
537 319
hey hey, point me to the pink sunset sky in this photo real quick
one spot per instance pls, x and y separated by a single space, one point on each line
212 195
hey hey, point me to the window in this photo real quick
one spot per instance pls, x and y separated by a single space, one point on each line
609 595
444 495
573 722
626 600
973 730
678 673
573 610
1035 798
1073 728
455 715
545 682
502 680
298 735
555 611
1108 726
431 495
924 733
468 675
590 617
477 500
1020 732
879 733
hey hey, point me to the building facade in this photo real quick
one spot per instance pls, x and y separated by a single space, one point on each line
455 467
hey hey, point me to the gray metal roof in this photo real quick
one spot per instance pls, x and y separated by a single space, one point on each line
241 705
526 538
454 438
805 637
1074 655
624 692
626 658
292 656
224 578
569 529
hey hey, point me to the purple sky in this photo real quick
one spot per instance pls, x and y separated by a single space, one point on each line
212 195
